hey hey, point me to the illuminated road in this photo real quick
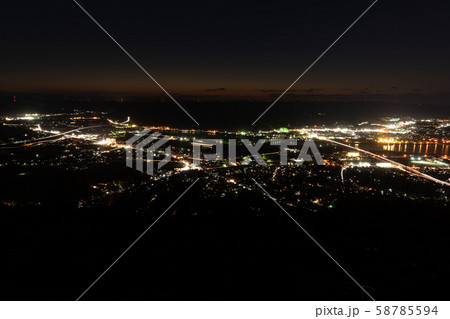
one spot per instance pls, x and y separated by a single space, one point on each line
46 138
400 166
64 134
52 135
117 123
342 173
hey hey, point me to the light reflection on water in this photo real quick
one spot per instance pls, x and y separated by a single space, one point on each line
409 148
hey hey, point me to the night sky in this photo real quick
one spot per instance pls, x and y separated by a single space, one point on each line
225 47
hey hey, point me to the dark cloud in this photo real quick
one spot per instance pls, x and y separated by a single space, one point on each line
215 90
267 91
311 90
